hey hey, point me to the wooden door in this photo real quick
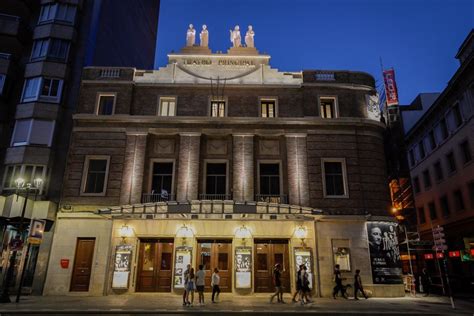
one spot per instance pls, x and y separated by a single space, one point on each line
81 272
155 265
216 254
268 253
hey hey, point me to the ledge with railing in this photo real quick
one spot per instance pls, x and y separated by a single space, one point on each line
212 197
272 198
157 197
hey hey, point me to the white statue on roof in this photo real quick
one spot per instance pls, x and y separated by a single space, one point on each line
204 36
235 37
190 36
249 37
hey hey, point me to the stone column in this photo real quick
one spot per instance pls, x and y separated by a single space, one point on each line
243 166
188 169
133 167
297 169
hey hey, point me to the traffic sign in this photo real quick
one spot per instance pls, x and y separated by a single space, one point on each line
37 227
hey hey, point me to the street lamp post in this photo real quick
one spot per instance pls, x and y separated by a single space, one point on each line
20 185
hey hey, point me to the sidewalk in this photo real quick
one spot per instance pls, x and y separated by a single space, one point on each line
165 303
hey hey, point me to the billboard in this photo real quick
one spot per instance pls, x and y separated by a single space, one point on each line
385 258
391 91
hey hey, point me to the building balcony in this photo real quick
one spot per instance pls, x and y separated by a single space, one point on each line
157 197
272 198
212 197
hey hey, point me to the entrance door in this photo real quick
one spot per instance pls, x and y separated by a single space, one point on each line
216 254
268 254
81 272
154 265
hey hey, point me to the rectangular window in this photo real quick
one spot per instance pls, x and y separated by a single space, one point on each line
162 178
216 177
432 139
443 201
412 157
421 148
106 104
43 89
167 107
58 49
457 115
426 179
421 215
269 179
40 49
416 185
465 151
27 172
444 128
31 89
268 108
33 132
334 176
2 83
218 108
95 175
432 209
451 162
327 107
57 11
458 201
438 171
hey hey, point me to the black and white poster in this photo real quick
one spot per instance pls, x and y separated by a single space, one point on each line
303 256
123 258
182 259
384 253
243 267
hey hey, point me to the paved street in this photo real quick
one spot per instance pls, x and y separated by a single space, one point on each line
171 304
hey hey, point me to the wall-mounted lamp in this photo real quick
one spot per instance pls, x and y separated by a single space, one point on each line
301 232
126 232
184 232
243 233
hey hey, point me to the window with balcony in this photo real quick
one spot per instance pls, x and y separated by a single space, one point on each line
162 181
438 171
458 201
465 151
52 48
167 106
426 179
421 215
27 173
57 12
432 209
218 108
33 132
269 178
105 104
334 177
451 162
328 107
268 108
416 185
42 89
443 201
216 181
94 179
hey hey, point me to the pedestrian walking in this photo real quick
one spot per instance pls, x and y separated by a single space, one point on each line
358 285
338 279
299 282
191 286
186 280
426 281
215 285
277 282
200 276
305 290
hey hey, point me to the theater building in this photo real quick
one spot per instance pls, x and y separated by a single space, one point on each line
219 159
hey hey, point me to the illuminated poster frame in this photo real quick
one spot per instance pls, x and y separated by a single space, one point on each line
123 260
243 267
304 256
183 257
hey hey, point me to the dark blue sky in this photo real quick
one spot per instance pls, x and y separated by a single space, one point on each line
418 38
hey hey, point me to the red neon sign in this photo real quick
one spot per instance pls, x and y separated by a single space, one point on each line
472 252
439 255
455 254
428 256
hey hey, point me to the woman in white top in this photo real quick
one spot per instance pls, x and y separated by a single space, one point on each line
200 276
216 279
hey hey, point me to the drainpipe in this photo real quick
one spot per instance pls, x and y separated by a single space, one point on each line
318 270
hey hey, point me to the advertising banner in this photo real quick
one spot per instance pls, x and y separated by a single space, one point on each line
123 259
303 256
384 253
243 267
182 259
391 91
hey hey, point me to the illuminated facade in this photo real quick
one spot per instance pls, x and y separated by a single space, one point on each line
221 160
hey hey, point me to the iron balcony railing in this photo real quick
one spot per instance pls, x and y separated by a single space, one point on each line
211 197
110 72
272 198
157 197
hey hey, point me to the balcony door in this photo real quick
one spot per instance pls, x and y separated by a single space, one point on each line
216 181
161 182
270 183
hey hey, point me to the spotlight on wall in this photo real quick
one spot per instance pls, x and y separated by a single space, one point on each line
243 233
184 232
301 232
126 232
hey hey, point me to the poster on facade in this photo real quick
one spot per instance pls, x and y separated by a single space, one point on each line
123 259
243 267
384 253
342 257
182 259
303 256
391 92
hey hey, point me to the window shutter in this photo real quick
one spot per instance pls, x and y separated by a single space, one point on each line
21 131
41 132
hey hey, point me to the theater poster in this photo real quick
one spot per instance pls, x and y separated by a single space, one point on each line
303 256
243 267
384 253
182 259
123 259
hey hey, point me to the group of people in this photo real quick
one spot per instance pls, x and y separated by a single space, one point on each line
196 282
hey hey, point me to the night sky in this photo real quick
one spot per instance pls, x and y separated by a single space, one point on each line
418 38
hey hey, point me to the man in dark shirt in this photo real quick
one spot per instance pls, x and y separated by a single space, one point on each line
277 282
338 279
358 285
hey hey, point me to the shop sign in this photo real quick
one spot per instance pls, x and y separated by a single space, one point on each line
455 254
384 253
37 227
182 259
304 256
391 91
123 258
64 263
439 255
407 257
472 252
243 267
428 256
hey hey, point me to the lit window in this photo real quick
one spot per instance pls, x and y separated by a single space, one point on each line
95 175
33 132
334 177
106 104
167 107
268 108
57 11
42 89
328 107
218 108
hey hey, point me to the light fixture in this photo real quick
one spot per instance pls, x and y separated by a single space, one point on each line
184 232
126 232
38 182
243 233
20 183
301 233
